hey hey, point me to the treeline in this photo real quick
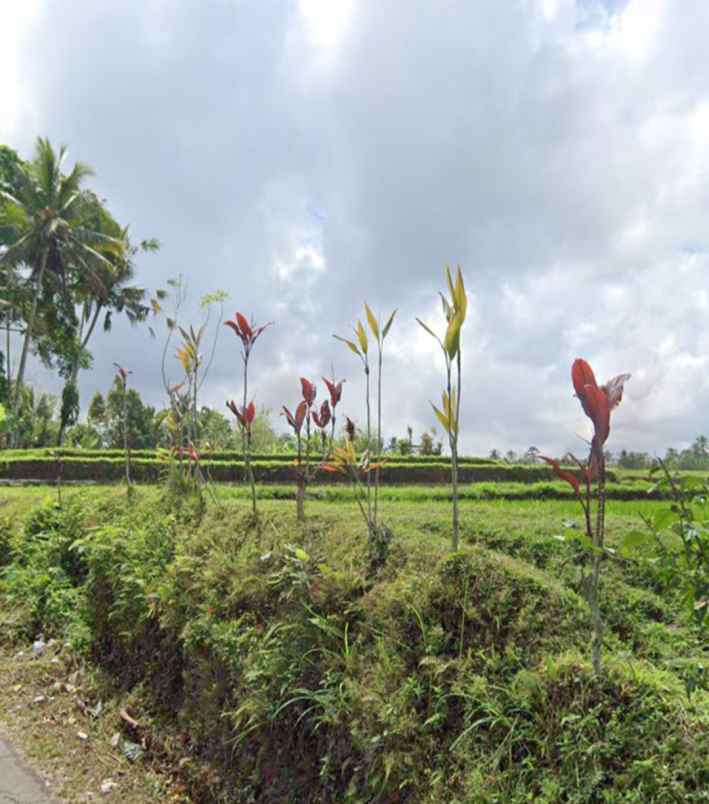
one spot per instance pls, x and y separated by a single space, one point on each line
38 425
67 270
694 457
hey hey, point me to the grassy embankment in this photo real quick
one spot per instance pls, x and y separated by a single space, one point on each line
266 664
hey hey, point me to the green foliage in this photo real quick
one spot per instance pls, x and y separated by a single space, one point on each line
42 582
453 677
106 417
675 542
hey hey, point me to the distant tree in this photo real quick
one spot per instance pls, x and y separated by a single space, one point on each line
671 457
700 447
530 456
106 416
405 446
426 445
634 460
35 424
84 436
495 455
511 456
214 430
264 438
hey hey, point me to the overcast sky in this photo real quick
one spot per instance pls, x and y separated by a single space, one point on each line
307 156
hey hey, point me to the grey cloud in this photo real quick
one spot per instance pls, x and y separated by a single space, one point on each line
566 174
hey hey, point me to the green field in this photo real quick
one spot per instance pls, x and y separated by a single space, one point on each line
449 677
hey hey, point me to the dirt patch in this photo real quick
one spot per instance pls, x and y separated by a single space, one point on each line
70 730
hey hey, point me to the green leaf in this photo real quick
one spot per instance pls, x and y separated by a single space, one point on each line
449 279
373 324
460 296
663 518
362 337
451 343
635 538
387 327
300 554
441 418
351 345
430 331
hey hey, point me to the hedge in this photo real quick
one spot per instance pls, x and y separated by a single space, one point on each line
103 470
229 456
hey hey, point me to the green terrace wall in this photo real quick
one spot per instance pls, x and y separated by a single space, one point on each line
151 469
229 456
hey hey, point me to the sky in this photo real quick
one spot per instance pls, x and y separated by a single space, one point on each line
306 156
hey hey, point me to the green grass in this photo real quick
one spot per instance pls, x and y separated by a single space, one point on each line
297 677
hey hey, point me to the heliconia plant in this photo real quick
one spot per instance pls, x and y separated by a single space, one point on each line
597 403
248 334
361 349
455 310
122 376
245 416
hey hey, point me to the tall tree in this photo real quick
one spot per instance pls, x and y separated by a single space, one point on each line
46 234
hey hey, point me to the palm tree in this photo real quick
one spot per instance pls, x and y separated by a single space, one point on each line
109 291
46 215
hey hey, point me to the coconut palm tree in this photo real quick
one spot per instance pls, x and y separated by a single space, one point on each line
107 293
46 216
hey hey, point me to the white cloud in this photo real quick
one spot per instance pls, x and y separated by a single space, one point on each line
310 156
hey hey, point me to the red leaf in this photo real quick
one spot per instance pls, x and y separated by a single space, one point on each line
309 390
350 428
335 390
244 327
300 414
582 376
323 419
289 417
563 474
594 400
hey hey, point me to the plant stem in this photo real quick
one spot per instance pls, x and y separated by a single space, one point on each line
454 459
300 489
369 451
125 430
453 443
251 472
379 436
597 642
245 358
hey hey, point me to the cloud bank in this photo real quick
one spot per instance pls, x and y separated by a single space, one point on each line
307 156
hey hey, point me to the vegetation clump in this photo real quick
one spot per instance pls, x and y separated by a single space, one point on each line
279 670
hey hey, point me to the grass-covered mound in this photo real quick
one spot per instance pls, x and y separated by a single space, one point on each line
278 670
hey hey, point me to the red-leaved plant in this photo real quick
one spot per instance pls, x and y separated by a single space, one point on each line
335 390
245 416
248 334
301 417
597 402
